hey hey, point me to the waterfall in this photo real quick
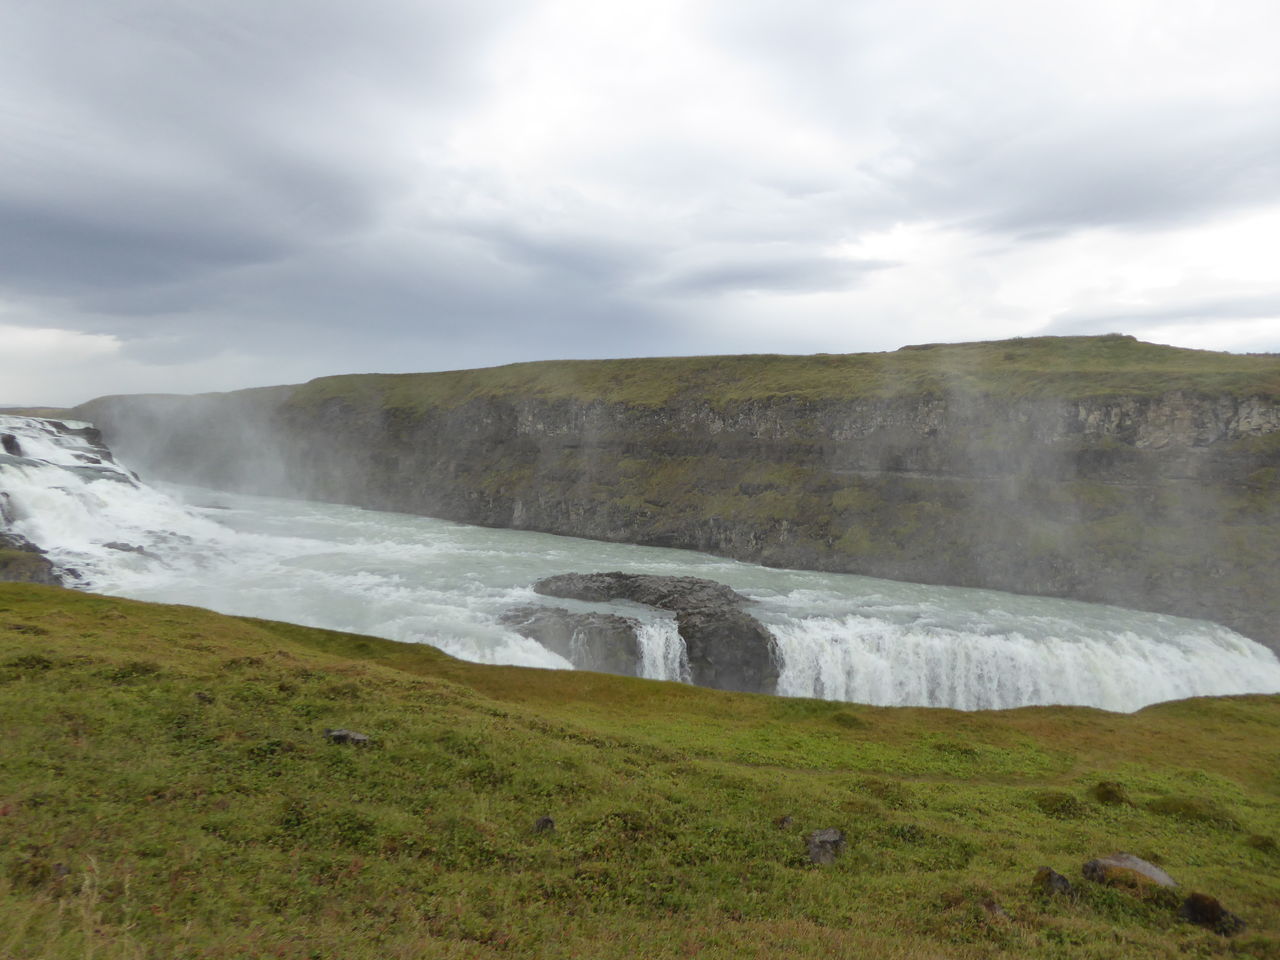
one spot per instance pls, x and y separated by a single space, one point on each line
66 493
418 579
662 651
872 661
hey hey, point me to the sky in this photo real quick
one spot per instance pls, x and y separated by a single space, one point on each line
203 196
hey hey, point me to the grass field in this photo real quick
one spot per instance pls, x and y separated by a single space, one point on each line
167 792
1053 367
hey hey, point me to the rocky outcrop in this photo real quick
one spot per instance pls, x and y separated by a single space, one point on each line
602 642
22 561
728 649
1095 468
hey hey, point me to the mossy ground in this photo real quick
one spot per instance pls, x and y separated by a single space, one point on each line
167 792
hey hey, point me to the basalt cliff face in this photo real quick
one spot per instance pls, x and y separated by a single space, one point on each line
1096 468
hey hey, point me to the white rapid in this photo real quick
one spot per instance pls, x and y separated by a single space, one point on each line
417 579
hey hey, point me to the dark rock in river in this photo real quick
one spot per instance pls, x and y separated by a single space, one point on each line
666 593
11 445
590 641
728 649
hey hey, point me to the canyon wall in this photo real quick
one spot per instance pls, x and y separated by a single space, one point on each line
1096 468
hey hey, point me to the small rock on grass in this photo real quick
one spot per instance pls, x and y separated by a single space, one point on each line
1051 883
825 845
347 736
544 825
1206 911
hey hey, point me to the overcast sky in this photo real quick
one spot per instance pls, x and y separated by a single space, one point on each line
202 195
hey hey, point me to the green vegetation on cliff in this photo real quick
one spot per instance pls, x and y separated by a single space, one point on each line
1069 367
166 791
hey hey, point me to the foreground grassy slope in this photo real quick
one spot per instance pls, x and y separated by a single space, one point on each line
166 792
1075 367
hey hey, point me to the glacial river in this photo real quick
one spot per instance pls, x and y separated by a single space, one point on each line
416 579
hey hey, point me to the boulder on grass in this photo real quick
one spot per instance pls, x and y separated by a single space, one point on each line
1051 883
1126 870
825 845
1206 911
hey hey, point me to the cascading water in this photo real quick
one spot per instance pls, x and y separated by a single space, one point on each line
662 652
839 637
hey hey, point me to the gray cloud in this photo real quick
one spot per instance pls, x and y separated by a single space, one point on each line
990 123
766 271
1193 313
412 185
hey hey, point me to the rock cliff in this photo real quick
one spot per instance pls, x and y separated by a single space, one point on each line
1098 468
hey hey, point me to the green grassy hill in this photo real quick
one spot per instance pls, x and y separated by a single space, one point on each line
166 791
1022 368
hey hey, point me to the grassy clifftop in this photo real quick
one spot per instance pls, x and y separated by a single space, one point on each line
1033 367
166 791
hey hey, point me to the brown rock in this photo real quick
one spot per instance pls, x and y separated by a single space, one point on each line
1206 911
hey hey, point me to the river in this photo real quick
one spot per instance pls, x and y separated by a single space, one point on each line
423 580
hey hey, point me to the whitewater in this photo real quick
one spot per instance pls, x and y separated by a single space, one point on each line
423 580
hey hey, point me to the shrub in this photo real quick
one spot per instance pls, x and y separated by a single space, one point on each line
1263 843
1062 806
1194 810
1110 792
